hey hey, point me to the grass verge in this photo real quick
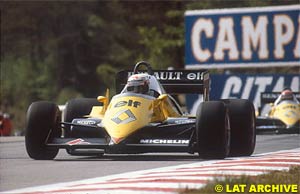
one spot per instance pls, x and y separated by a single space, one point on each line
273 182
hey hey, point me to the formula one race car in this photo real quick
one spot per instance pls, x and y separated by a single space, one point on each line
284 114
142 118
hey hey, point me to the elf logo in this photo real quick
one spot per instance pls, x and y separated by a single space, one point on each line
135 104
164 141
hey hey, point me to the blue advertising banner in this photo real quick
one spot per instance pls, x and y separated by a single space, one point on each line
244 37
245 86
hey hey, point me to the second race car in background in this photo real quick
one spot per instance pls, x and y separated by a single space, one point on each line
284 113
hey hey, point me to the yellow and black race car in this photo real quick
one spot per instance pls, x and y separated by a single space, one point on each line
143 117
284 113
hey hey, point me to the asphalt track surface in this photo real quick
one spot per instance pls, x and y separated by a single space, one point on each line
18 171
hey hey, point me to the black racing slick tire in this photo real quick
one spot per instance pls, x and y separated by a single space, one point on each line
242 124
42 125
78 108
212 130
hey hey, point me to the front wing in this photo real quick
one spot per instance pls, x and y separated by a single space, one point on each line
165 137
273 125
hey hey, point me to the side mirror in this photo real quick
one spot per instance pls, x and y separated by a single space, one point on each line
157 102
162 97
101 99
104 99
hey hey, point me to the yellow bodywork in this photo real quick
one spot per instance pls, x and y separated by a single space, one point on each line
126 114
289 113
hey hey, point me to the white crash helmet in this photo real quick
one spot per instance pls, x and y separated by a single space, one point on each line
287 94
138 83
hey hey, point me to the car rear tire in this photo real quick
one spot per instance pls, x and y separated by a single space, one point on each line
42 125
212 130
78 108
242 124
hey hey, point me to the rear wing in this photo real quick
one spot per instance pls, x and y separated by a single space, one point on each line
174 81
270 97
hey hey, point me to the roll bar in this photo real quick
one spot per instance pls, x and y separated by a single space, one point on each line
143 63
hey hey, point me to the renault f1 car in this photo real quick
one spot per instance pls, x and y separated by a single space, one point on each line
143 117
283 117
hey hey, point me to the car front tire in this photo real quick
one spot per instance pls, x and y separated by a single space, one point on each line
42 124
212 130
242 124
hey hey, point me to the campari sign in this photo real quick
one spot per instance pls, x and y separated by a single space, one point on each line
243 37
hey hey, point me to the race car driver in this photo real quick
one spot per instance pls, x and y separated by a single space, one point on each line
286 94
138 84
